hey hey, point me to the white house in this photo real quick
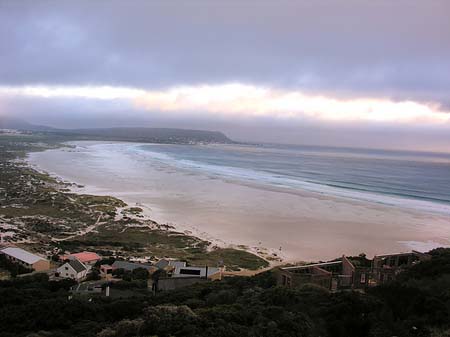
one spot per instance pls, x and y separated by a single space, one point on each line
73 269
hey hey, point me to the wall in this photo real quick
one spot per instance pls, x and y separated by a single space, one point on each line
41 265
171 283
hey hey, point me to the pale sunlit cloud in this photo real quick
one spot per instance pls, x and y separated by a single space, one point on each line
94 92
239 100
246 100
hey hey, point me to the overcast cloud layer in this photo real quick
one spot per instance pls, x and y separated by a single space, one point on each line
380 52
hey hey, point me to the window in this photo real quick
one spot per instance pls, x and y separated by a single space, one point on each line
66 268
190 272
403 260
363 278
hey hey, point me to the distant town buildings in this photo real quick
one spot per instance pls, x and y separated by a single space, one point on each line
345 273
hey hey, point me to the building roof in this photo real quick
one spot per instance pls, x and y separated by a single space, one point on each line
414 252
77 265
305 266
22 255
130 266
84 256
161 264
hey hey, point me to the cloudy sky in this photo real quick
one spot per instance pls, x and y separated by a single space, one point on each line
351 73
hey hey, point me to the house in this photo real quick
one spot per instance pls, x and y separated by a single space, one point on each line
26 259
87 258
206 272
73 269
106 271
349 273
332 275
386 267
130 266
183 276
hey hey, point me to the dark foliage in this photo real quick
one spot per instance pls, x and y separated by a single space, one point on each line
14 268
415 305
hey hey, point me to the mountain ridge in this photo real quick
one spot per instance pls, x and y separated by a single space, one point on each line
146 134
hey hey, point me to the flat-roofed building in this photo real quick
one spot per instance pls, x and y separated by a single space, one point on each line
26 259
210 273
184 276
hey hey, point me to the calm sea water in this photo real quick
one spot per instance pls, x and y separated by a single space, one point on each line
417 179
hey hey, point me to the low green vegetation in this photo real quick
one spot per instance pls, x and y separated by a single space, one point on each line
142 241
136 211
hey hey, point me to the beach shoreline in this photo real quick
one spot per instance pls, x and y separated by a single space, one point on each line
314 206
273 257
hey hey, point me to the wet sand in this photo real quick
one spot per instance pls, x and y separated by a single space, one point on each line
298 225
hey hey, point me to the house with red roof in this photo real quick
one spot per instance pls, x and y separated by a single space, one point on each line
87 258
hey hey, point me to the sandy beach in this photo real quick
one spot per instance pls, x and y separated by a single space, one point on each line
299 226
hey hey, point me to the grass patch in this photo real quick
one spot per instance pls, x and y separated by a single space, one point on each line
162 243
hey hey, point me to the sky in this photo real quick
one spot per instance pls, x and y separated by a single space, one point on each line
344 73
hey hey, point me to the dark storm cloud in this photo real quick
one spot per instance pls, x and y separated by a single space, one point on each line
398 49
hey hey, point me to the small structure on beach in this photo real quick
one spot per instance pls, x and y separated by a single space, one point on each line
26 259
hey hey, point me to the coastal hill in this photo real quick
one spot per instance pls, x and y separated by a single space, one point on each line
19 124
136 134
157 135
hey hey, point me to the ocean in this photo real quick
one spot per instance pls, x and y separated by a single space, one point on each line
412 179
